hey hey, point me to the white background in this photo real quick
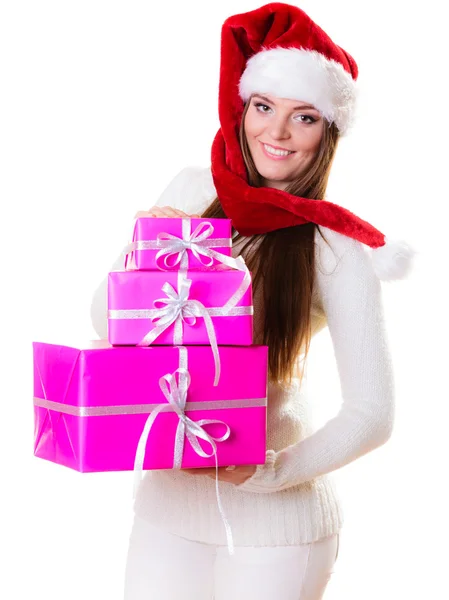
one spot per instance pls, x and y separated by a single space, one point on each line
102 102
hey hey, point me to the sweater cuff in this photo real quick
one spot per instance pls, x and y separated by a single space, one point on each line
263 480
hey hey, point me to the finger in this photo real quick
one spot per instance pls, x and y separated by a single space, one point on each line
170 212
145 214
181 213
156 211
163 211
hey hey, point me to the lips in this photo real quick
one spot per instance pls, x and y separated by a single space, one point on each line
276 157
276 147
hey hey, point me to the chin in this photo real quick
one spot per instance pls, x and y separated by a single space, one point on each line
273 173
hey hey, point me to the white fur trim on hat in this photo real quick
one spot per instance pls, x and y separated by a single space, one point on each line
304 75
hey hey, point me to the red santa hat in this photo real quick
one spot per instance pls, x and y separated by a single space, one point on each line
277 49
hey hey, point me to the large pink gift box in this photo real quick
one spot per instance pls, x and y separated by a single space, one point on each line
160 243
132 297
91 404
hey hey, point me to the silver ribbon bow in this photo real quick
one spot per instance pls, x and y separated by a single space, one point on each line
197 242
176 394
178 309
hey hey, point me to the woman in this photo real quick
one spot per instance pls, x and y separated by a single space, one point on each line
286 96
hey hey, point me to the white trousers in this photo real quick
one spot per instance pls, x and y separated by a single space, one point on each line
164 566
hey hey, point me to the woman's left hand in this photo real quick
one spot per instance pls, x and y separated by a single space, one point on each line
237 476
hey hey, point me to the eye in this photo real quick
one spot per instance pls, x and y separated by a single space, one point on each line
259 105
310 121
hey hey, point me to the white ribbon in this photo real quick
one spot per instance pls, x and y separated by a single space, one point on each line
178 309
176 394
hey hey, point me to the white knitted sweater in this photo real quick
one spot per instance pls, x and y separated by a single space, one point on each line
292 498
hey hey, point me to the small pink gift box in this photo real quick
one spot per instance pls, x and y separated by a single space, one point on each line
91 405
171 244
146 304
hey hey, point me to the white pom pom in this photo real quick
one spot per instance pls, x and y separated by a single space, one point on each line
393 260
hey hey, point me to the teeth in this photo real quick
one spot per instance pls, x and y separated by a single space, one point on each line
271 150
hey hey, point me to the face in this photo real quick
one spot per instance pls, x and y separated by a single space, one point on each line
275 125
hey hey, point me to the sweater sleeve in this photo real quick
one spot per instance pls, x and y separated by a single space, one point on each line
191 191
351 298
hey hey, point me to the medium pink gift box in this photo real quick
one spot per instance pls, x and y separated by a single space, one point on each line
173 243
137 297
91 404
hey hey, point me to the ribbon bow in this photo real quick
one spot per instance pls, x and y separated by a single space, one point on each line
178 308
176 395
199 245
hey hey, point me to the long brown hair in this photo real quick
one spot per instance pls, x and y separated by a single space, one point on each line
284 262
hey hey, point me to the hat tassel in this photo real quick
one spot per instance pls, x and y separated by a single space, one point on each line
393 260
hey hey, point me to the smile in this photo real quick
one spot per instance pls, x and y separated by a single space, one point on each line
275 153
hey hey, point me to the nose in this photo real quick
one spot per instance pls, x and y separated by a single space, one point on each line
279 128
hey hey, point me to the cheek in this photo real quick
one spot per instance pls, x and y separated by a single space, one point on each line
317 135
253 126
309 141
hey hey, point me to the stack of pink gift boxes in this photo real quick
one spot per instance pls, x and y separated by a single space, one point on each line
178 384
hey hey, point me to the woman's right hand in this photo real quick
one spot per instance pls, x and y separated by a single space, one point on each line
164 212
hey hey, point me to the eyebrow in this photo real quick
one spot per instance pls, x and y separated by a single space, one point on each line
295 108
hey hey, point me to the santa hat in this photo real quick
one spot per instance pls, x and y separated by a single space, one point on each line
277 49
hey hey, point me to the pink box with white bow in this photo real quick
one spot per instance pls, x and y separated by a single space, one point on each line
167 243
91 404
157 304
